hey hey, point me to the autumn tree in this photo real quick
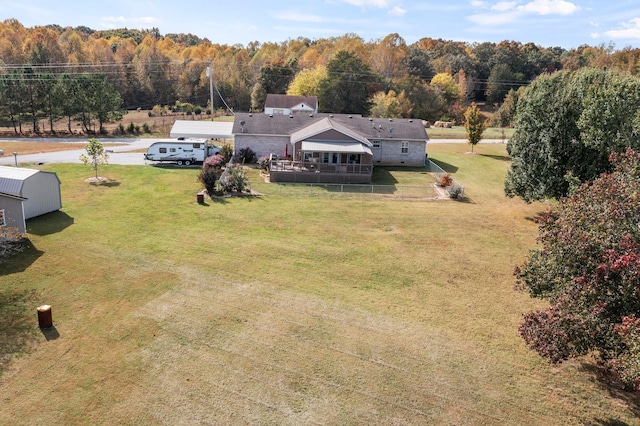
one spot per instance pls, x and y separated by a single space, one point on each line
426 102
474 124
390 105
307 82
388 56
588 268
445 82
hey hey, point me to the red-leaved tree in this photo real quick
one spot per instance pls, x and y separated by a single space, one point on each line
588 268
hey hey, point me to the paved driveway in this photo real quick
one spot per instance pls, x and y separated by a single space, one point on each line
117 154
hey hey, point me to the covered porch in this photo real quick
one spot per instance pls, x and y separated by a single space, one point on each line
325 162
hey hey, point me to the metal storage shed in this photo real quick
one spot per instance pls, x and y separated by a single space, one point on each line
39 189
12 212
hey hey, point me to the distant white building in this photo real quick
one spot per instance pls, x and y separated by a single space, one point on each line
286 105
27 193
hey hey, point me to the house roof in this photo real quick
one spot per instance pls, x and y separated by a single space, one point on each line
201 129
287 101
325 125
340 147
352 125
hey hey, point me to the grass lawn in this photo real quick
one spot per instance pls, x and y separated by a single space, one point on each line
283 309
459 132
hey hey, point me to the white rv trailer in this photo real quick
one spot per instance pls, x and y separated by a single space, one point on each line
181 151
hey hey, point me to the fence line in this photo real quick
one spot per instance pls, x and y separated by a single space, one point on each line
364 191
357 190
439 171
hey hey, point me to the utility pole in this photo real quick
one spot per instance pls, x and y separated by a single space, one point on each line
210 75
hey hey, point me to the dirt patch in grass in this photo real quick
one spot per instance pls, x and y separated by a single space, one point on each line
24 148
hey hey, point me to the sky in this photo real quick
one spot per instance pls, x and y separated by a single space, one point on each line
547 23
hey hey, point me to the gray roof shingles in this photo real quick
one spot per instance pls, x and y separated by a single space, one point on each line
371 128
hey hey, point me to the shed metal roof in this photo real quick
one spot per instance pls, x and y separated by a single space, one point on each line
12 179
202 129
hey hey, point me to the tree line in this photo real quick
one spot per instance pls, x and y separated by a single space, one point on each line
28 96
430 79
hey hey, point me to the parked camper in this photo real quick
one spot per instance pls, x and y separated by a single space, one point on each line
181 151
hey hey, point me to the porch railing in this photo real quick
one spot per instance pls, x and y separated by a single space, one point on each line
314 167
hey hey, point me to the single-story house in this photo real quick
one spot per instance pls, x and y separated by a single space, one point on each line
287 104
37 191
330 148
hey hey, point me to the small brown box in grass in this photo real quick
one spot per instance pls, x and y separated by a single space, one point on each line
45 319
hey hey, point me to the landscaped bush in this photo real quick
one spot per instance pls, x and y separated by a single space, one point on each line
246 156
455 192
227 152
146 128
214 162
263 163
235 180
208 177
445 180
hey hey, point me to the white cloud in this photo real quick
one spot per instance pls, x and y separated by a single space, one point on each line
504 6
508 12
493 19
478 3
397 11
365 3
629 30
114 19
145 21
549 7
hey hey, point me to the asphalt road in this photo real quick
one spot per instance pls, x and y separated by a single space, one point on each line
121 154
117 154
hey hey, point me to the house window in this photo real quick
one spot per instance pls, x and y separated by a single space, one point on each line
172 150
404 147
163 150
2 220
376 144
196 145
